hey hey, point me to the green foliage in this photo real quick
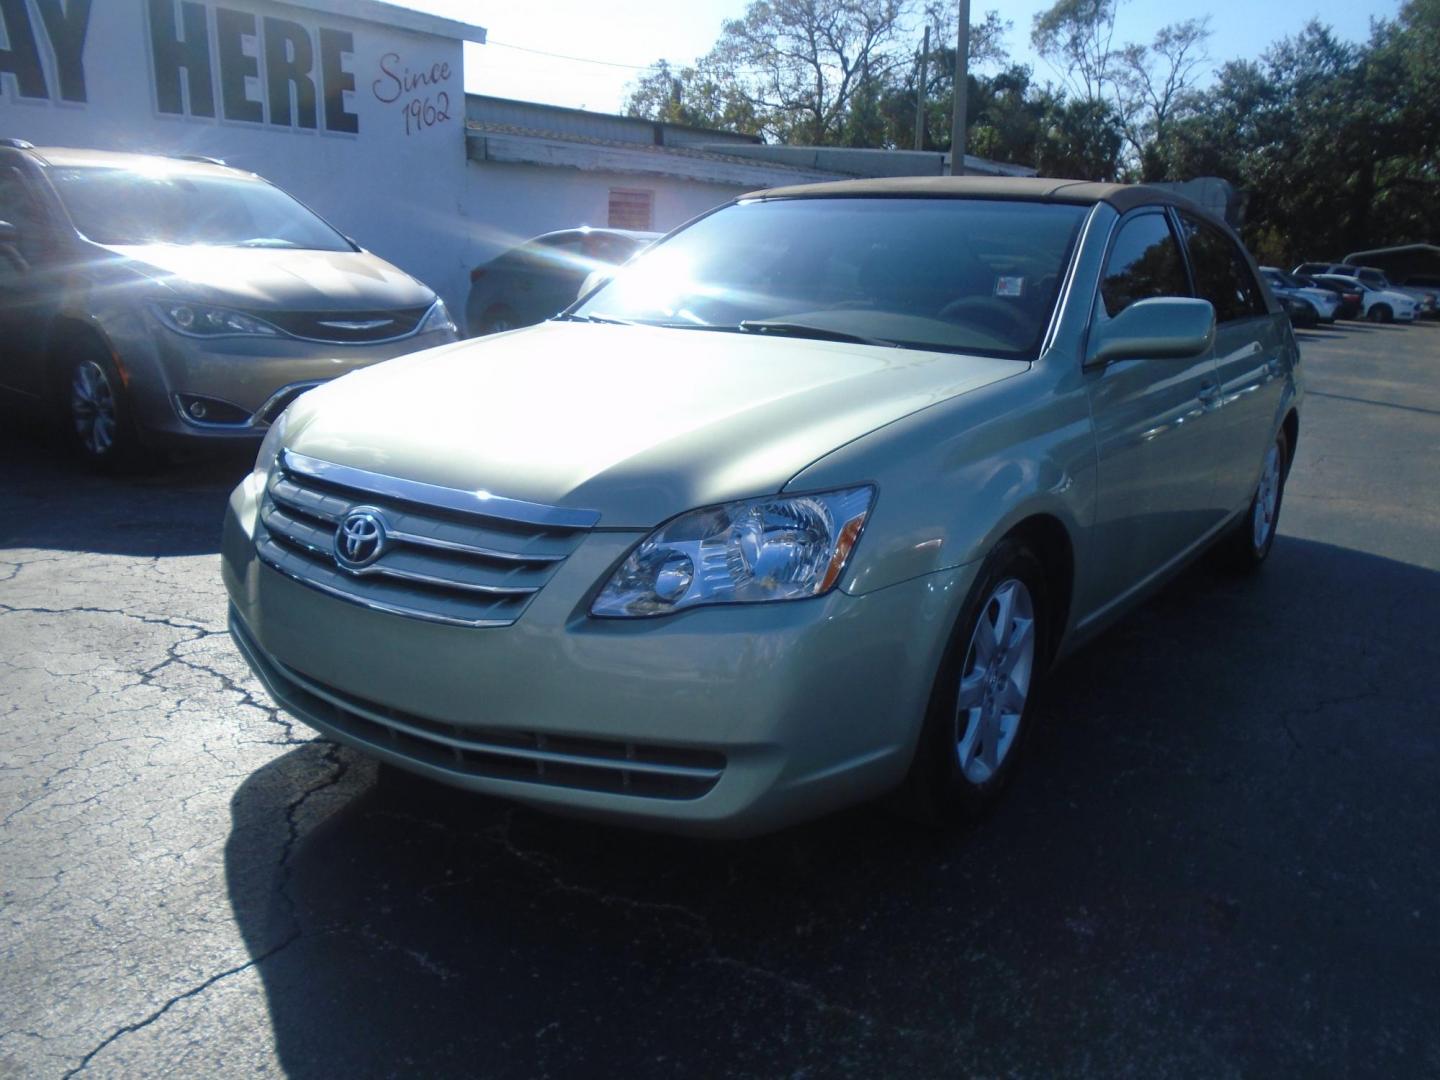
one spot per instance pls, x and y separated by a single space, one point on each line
1335 145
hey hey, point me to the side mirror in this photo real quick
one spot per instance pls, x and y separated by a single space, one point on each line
1164 328
593 281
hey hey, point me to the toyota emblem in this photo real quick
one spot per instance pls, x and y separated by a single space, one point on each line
359 538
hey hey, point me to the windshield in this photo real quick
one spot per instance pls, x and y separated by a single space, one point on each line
971 275
118 206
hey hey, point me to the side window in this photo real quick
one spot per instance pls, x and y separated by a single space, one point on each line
1144 263
18 207
1222 275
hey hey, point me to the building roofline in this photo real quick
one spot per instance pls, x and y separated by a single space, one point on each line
612 116
386 14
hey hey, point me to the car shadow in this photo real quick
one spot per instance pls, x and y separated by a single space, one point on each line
1212 809
51 500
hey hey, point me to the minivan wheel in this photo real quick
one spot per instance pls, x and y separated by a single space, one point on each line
979 717
94 412
1253 535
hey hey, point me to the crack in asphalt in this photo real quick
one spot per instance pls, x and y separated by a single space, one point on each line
340 768
194 991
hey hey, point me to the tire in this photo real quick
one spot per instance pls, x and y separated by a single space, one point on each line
94 411
967 755
1381 313
498 319
1248 543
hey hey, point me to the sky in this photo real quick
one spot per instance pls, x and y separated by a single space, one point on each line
640 32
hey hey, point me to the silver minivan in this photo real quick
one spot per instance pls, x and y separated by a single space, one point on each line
151 301
796 511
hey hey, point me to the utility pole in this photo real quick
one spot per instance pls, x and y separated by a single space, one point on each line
920 87
962 87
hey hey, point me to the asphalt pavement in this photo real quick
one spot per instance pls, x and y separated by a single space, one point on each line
1220 859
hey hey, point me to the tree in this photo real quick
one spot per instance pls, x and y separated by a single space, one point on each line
1155 85
798 64
1077 38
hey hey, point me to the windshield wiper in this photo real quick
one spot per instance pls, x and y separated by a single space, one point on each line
595 319
806 330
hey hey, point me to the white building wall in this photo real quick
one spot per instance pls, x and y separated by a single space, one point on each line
394 183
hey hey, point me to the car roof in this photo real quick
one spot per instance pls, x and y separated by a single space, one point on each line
67 156
588 230
1122 197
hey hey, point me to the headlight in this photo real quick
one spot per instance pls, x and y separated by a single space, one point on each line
437 318
270 448
778 548
201 320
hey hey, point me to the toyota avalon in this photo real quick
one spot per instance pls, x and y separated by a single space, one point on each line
796 510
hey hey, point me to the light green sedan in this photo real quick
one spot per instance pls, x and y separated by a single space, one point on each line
794 512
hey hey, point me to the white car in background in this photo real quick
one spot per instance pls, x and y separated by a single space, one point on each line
1325 303
1377 305
1426 300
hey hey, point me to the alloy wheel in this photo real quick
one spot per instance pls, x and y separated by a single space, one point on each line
92 408
995 681
1267 499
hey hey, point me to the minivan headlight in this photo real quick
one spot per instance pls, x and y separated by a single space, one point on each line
202 320
776 548
437 318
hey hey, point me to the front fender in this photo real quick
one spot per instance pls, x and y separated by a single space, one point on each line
954 478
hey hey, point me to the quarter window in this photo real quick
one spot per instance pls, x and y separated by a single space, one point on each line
1222 275
1144 263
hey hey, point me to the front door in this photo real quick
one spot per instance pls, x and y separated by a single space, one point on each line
24 307
1154 428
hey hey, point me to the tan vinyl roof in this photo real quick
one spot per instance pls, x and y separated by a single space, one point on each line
1031 188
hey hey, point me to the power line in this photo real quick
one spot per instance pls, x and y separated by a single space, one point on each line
577 59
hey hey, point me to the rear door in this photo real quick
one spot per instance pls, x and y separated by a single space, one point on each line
1154 433
1250 348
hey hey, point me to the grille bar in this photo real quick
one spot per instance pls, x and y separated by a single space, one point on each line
463 558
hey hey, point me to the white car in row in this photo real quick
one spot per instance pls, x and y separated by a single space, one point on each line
1325 302
1377 305
1375 280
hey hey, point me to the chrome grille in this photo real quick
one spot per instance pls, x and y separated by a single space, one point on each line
465 558
625 768
345 327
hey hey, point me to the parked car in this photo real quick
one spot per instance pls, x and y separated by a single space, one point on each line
1351 298
153 301
1428 284
1301 312
1377 305
797 510
1321 303
541 277
1375 278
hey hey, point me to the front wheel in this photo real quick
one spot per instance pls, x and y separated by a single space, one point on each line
95 413
1381 313
979 716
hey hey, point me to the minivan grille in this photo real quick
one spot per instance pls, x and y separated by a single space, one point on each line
624 768
444 555
344 327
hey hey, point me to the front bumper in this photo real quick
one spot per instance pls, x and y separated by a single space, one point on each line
760 715
162 369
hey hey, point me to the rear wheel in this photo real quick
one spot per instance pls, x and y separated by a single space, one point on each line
498 319
979 716
1251 538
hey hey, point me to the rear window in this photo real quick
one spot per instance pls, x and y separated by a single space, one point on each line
1222 275
964 275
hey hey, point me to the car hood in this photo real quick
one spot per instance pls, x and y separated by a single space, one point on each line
272 279
638 423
